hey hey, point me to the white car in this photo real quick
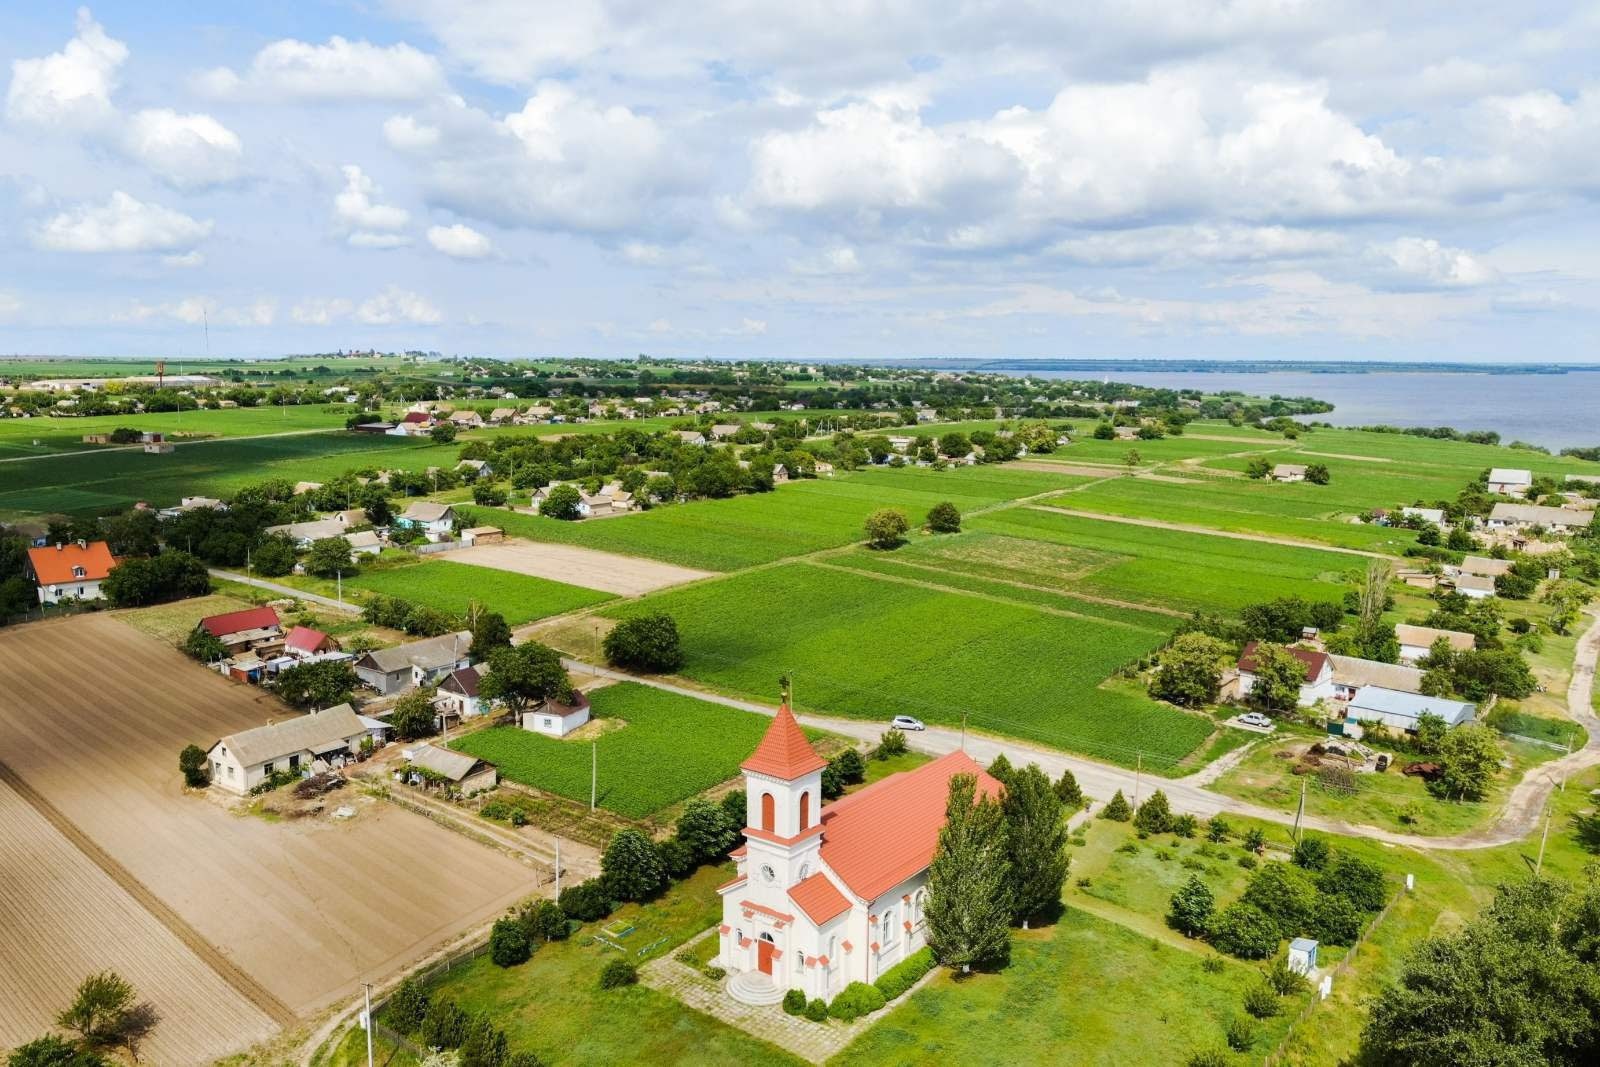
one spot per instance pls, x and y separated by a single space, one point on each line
906 722
1256 719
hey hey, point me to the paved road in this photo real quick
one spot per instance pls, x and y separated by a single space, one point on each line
286 590
1100 780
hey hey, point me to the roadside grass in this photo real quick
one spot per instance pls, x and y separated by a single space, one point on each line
667 748
174 622
879 769
865 648
553 1006
452 586
798 517
1182 571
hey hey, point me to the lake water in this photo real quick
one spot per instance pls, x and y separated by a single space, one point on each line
1553 410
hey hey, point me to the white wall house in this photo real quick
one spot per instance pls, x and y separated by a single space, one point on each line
557 719
1319 673
70 571
1508 481
1415 641
242 761
392 670
434 520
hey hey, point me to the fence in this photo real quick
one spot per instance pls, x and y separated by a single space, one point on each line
426 977
1276 1055
429 548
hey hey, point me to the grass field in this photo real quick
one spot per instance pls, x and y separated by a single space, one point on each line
663 748
88 483
1180 571
44 436
862 646
802 516
452 586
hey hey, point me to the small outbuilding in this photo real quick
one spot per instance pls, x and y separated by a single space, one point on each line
467 773
556 718
1302 955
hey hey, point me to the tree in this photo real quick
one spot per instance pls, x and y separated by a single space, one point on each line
1104 431
1191 908
201 645
1279 676
192 762
1036 842
329 556
1470 757
52 1051
524 676
1117 809
489 495
631 867
1154 815
172 575
706 829
645 643
316 685
1000 769
105 1012
1357 880
489 632
508 943
1284 894
1067 789
1242 930
544 921
562 502
969 903
1189 670
413 715
944 517
1258 467
1132 459
1317 473
887 528
442 433
1311 853
1431 730
1218 829
274 557
1517 985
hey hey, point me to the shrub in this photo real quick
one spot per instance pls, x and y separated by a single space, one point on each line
1248 862
676 857
1218 829
408 1007
1242 930
1261 1001
892 743
1311 853
1241 1034
1191 908
1211 1056
646 643
618 973
1068 790
905 974
586 901
1255 839
508 943
1336 921
1117 810
1212 965
444 1026
944 517
1285 894
632 867
1283 980
1357 880
484 1044
202 646
544 921
192 762
817 1010
794 1002
855 1000
1185 825
1154 815
716 974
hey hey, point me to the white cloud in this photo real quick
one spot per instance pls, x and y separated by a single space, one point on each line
69 87
121 224
192 258
395 305
1179 246
188 150
369 223
193 310
838 260
643 253
10 304
459 242
1424 261
746 328
405 133
321 312
339 70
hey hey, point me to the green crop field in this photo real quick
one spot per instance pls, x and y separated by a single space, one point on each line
666 748
799 517
863 646
44 436
1182 571
87 483
452 586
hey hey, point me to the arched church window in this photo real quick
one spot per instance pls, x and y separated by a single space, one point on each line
805 809
769 816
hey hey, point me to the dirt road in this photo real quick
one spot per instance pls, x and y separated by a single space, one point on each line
1183 527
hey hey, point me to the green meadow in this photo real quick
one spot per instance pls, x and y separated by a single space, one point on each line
452 586
45 436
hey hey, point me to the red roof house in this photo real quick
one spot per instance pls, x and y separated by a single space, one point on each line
70 571
305 641
235 623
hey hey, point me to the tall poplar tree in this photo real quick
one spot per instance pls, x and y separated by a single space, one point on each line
969 899
1036 842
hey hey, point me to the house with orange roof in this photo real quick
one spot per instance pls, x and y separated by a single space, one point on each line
70 571
826 896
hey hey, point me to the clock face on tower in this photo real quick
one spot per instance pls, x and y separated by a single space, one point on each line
768 875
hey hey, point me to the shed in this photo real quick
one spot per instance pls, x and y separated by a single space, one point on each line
1302 955
467 773
557 719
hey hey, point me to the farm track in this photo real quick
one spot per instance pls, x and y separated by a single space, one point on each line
1183 527
246 986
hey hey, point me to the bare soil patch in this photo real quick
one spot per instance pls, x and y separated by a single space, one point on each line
92 718
1087 470
590 568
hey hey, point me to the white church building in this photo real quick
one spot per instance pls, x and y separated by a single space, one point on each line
826 896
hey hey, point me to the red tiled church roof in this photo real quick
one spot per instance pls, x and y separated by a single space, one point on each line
784 751
877 838
819 898
234 621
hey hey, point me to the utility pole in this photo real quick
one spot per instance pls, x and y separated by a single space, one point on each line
1300 811
338 577
1539 864
594 772
1138 775
558 866
367 1021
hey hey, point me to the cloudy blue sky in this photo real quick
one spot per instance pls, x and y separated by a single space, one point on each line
853 178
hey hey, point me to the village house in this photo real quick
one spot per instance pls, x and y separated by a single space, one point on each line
824 470
1508 481
191 503
473 469
502 416
249 630
1289 472
1526 516
305 643
724 430
466 420
1475 586
412 424
1433 515
1415 641
466 773
1318 684
392 670
318 741
826 896
1484 565
70 571
1351 674
304 533
458 698
556 718
1401 711
691 437
780 474
364 542
433 519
